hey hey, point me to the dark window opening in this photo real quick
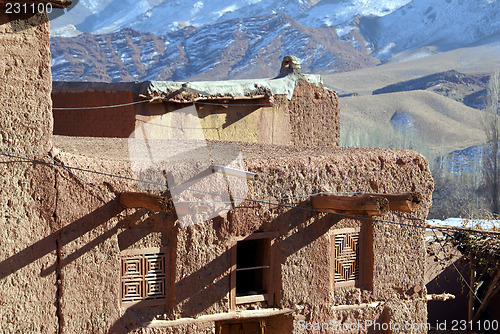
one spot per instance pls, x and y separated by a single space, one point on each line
253 264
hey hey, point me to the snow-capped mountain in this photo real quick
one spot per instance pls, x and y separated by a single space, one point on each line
232 49
234 39
445 24
163 16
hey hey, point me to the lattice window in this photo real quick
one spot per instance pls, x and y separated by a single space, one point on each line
144 276
345 257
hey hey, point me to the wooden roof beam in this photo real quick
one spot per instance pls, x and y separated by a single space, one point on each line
367 205
363 205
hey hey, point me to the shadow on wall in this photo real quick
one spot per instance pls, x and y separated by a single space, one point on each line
449 281
206 292
200 283
63 236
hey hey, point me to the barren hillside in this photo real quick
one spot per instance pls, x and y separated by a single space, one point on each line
436 116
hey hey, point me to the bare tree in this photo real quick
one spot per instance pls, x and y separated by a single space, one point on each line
491 162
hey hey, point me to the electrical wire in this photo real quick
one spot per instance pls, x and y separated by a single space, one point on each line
161 99
234 104
10 154
86 182
68 168
260 201
458 271
105 107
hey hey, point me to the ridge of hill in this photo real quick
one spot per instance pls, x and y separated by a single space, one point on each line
234 49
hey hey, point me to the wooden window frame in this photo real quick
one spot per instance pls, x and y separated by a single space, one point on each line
359 259
143 278
267 297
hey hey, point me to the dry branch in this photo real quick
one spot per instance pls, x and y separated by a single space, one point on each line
238 315
441 297
493 289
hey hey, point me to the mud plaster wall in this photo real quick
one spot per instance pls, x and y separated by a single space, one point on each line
398 251
93 231
311 118
314 116
112 122
27 298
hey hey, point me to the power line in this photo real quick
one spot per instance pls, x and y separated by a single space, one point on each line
106 107
261 201
86 182
234 104
458 271
10 154
162 99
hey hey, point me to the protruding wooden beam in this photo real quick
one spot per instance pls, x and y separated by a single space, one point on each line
364 205
147 201
406 202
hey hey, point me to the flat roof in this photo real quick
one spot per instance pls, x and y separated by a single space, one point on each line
117 149
191 90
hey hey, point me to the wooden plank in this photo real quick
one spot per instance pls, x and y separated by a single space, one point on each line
252 299
146 200
441 297
253 268
232 291
259 235
246 314
363 205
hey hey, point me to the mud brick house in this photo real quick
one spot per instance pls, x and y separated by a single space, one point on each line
281 111
86 249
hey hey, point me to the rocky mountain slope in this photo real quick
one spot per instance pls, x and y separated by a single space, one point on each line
238 48
445 25
196 39
469 89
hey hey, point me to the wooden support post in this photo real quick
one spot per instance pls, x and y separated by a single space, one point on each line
472 283
363 205
147 201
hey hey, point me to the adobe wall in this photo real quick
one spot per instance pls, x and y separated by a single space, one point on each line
310 118
27 192
94 230
313 115
112 122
